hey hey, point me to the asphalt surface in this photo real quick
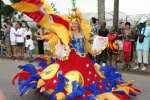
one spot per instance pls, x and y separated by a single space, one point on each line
8 68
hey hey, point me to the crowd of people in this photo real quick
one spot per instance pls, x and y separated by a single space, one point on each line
19 39
123 42
127 44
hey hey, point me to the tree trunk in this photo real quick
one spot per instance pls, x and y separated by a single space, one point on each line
101 10
116 13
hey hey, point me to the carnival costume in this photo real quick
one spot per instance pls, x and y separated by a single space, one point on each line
70 74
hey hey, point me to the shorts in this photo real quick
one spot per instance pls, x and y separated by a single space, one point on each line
20 44
12 43
30 52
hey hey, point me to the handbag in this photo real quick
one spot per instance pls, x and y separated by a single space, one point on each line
141 37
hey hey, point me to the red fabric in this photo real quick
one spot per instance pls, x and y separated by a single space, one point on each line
112 47
36 16
112 37
122 96
36 2
80 64
60 20
127 50
75 63
22 75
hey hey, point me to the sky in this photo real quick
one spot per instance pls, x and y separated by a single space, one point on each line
129 7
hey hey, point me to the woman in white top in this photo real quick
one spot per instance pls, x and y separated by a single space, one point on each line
27 32
20 39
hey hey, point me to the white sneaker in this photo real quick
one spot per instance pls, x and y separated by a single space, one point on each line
143 68
135 68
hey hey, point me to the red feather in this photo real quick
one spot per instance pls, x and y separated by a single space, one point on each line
22 75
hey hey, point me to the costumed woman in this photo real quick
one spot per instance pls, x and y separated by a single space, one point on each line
112 46
72 75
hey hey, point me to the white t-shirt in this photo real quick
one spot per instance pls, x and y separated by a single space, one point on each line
12 34
29 44
28 33
20 37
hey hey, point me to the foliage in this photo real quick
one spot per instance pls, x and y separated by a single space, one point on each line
6 10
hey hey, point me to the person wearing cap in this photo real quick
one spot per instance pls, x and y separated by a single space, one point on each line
143 43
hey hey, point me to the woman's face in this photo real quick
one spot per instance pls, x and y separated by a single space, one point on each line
127 26
75 26
18 25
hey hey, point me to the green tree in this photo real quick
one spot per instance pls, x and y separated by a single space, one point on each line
6 10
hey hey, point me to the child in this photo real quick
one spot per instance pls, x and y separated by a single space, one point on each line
127 46
29 45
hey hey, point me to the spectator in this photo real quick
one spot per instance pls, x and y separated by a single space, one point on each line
143 45
20 39
12 40
120 32
103 57
40 41
6 38
27 31
127 46
95 25
103 31
29 45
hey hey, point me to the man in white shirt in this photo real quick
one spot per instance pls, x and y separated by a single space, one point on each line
12 39
29 45
20 39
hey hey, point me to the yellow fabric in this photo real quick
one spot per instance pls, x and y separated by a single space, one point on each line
53 42
107 96
49 72
47 6
125 88
40 83
97 67
60 96
61 32
59 29
25 7
73 76
49 91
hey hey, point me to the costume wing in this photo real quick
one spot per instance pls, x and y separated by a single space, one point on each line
43 14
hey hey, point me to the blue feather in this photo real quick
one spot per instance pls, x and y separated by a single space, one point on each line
77 91
61 83
29 68
94 88
28 82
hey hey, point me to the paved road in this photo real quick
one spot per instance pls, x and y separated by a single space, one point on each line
8 68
